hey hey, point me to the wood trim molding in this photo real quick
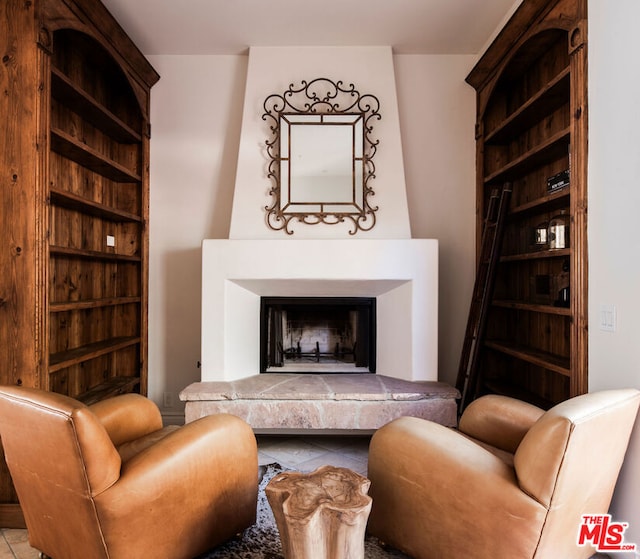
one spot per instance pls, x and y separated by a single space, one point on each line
11 517
517 25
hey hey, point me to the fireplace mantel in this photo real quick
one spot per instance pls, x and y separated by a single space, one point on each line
402 274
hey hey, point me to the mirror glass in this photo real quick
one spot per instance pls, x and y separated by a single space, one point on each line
321 163
321 155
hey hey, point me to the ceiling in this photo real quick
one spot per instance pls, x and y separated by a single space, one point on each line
231 26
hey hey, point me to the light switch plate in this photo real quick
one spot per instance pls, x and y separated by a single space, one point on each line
111 241
608 318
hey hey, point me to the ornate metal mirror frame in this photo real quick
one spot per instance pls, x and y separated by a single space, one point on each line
321 155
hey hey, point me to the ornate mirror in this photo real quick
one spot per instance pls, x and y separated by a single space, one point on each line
321 155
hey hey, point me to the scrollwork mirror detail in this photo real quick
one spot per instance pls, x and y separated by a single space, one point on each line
321 155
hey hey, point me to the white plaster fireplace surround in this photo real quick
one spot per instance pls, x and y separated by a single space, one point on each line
320 260
401 273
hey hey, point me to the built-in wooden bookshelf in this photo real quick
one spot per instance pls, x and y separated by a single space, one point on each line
74 213
532 126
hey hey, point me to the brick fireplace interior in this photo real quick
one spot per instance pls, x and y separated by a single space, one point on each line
317 334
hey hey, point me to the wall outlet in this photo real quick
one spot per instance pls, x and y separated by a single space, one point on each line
167 400
111 241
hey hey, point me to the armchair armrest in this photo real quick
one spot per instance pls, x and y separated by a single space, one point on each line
499 421
128 417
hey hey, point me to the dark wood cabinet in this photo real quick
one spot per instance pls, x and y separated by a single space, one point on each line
531 132
74 205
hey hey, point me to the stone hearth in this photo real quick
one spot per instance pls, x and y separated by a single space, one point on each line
275 402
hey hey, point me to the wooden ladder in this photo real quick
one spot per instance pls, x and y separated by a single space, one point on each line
492 232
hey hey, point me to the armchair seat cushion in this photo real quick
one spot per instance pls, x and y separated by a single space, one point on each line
129 449
504 455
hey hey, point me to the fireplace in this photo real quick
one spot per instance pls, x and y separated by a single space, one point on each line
400 274
317 334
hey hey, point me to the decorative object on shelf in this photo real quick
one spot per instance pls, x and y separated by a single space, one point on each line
558 181
563 299
541 236
559 231
321 155
563 286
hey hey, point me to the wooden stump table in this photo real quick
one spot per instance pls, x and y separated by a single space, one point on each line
321 515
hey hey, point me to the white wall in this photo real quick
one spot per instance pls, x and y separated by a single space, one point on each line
614 227
196 112
437 123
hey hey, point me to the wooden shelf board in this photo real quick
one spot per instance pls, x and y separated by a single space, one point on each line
532 307
91 254
63 306
77 355
540 358
539 203
112 387
554 147
544 102
72 149
537 255
80 102
74 202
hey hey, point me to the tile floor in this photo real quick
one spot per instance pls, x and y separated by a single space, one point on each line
306 453
299 452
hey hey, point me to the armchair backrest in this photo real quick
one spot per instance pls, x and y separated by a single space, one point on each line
570 459
65 460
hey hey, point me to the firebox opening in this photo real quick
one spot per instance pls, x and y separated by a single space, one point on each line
317 334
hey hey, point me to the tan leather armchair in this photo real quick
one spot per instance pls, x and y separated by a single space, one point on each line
513 482
108 481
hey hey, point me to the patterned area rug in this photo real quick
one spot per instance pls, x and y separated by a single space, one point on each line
262 541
